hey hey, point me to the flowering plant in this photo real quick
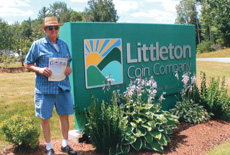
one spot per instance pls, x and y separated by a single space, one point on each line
188 109
147 125
132 119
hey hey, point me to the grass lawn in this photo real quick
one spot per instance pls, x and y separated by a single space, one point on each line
16 64
17 97
222 149
217 54
214 69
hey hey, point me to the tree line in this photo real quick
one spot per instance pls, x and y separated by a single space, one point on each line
211 22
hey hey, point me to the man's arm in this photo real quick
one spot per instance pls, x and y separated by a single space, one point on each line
44 71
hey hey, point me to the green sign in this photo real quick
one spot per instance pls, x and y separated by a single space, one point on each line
128 51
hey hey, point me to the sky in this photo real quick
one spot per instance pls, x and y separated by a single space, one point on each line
129 11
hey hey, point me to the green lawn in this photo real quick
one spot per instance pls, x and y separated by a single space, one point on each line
214 69
17 97
223 149
16 64
221 54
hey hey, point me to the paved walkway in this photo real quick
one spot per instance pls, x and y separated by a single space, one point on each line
214 59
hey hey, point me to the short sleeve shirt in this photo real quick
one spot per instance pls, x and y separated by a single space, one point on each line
39 54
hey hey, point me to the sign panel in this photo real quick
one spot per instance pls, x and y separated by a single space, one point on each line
127 51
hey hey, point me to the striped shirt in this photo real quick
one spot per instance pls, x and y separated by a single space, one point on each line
39 54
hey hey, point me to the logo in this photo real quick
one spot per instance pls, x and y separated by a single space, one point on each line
103 57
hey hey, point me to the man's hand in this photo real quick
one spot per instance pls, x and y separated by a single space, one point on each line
68 71
45 71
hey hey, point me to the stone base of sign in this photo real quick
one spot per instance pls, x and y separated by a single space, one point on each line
75 135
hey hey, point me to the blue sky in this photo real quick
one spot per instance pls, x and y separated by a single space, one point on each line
129 11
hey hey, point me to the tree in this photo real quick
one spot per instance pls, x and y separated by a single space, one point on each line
101 11
187 14
37 32
26 29
3 34
60 10
23 46
215 21
42 14
76 16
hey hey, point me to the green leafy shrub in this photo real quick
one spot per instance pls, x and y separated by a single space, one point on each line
188 109
130 120
215 97
21 131
217 47
104 124
148 126
189 112
204 47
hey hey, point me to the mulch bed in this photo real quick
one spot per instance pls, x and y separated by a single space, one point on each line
187 139
13 70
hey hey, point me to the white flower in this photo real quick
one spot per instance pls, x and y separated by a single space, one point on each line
148 83
176 75
190 90
162 97
185 78
143 82
110 80
138 80
154 91
194 79
154 84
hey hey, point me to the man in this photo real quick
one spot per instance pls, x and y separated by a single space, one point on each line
51 93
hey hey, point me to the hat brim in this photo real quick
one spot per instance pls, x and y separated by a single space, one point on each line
44 26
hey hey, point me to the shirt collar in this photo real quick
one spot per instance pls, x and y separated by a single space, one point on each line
46 40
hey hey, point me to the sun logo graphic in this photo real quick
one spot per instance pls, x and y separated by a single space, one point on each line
102 57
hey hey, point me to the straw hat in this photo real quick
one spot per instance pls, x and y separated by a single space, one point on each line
50 21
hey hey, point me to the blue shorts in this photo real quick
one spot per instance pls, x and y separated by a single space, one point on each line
44 104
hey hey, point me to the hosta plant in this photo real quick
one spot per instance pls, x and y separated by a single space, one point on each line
187 109
148 126
189 112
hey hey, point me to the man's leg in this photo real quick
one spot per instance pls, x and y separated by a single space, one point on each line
64 108
43 108
64 125
45 125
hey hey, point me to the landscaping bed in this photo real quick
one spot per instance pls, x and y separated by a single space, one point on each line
13 70
189 139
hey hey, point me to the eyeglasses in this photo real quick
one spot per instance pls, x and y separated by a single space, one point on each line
53 27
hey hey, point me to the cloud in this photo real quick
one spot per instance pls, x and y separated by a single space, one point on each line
79 0
6 11
14 3
156 15
12 8
125 6
169 5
